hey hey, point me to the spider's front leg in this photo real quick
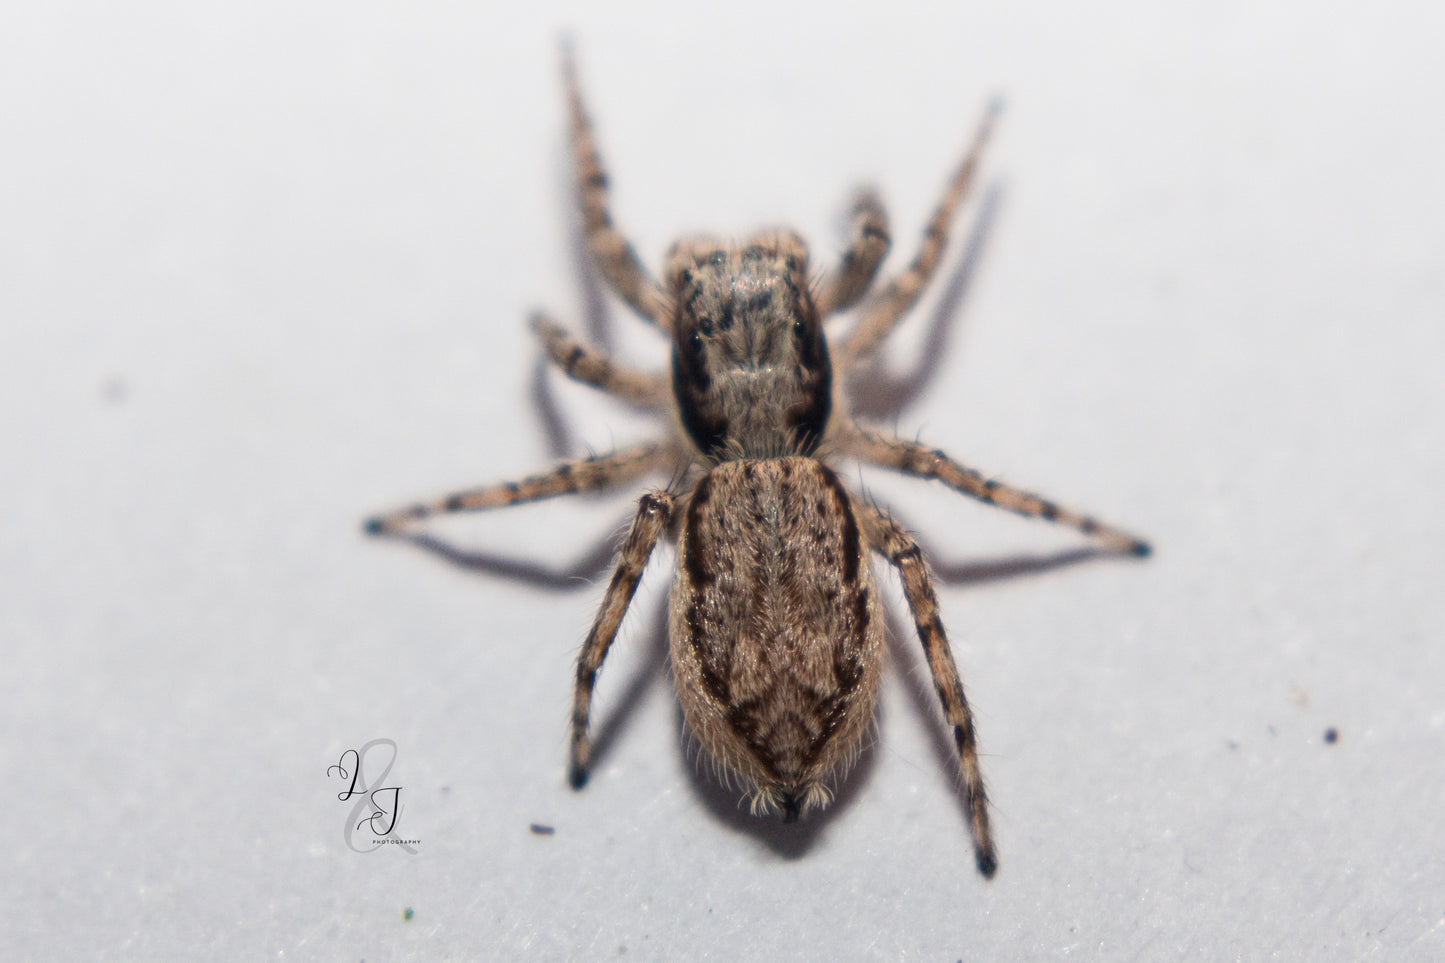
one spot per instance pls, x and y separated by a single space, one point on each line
842 288
902 293
893 543
654 512
596 473
920 461
590 366
614 256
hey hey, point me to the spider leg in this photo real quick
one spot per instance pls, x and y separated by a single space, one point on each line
842 288
902 293
596 473
888 539
911 458
654 511
611 252
593 367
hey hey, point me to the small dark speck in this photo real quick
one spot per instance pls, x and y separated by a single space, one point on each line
1232 744
114 390
407 914
1332 735
539 830
446 789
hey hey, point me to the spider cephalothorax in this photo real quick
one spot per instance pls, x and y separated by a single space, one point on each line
750 368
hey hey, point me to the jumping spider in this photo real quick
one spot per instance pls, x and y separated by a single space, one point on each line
776 629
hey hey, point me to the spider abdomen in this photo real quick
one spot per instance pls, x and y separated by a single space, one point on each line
776 630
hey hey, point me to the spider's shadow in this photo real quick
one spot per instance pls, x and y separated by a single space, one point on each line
877 395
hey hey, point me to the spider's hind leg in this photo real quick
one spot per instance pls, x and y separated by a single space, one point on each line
889 539
654 512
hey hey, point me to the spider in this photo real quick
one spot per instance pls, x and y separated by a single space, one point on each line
775 626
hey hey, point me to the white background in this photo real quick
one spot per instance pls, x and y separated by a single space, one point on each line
264 269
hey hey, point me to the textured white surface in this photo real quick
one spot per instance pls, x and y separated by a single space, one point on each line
264 269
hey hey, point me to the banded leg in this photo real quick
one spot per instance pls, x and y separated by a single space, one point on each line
590 366
914 459
613 255
893 543
596 473
841 289
903 292
654 512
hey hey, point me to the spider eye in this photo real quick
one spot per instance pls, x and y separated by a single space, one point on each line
704 324
800 329
695 340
